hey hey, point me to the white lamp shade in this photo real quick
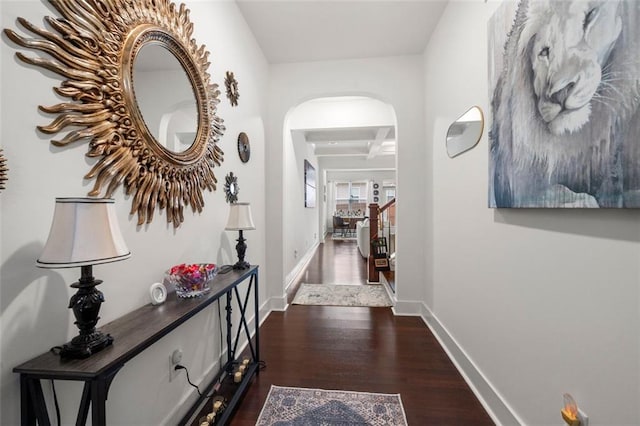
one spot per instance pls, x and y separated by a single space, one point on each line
240 217
84 232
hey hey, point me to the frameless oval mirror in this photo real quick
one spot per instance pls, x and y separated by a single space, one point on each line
465 132
170 114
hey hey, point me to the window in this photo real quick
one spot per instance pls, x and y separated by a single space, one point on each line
390 193
351 198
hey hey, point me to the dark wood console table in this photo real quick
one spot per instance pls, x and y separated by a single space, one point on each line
133 333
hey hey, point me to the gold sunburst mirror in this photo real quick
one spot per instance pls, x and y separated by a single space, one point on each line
94 46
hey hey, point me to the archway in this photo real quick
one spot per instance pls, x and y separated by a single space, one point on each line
344 138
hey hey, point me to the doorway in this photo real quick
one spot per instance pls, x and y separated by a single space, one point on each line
351 143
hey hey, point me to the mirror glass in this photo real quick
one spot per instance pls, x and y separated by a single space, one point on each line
465 132
165 98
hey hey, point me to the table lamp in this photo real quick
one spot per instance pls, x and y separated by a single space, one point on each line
240 220
84 232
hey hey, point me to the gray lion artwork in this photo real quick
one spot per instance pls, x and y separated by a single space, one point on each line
564 79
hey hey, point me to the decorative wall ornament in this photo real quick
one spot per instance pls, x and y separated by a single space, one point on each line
93 45
565 104
231 188
3 170
232 88
244 147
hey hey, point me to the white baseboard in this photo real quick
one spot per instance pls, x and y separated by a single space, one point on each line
304 261
275 304
497 407
407 308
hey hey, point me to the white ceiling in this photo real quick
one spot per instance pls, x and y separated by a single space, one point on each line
320 30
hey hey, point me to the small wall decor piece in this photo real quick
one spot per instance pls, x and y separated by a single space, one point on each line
309 185
376 186
231 188
244 148
3 170
232 88
465 133
93 45
376 192
565 104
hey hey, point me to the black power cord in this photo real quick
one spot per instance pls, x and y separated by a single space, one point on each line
182 367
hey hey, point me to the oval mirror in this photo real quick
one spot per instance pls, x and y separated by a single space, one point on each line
465 132
170 114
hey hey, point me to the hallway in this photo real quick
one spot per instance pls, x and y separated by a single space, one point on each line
358 349
334 262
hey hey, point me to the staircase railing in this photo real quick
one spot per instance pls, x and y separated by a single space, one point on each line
382 223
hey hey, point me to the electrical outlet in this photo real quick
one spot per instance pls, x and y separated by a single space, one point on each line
174 359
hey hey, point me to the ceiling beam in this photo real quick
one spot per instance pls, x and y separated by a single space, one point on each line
376 145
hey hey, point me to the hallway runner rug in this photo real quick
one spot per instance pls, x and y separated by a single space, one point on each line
369 295
286 406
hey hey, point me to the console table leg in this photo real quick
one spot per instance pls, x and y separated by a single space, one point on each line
85 401
27 412
229 350
98 400
256 304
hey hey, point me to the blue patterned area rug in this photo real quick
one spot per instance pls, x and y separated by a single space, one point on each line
371 295
299 406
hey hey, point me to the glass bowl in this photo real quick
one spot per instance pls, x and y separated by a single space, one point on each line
191 280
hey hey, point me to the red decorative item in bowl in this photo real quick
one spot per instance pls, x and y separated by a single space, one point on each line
191 280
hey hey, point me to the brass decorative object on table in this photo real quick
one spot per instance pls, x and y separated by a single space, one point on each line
232 88
3 169
94 45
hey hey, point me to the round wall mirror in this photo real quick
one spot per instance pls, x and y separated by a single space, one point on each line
465 132
99 47
170 114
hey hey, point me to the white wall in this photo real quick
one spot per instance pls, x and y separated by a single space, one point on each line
397 81
301 232
33 302
541 301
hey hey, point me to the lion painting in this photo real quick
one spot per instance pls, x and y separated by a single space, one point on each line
565 104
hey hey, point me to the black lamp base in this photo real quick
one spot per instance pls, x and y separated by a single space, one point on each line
241 249
86 306
241 265
83 346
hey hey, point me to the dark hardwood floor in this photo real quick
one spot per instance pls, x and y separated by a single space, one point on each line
358 349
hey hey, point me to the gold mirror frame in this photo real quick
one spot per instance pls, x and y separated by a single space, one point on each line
3 169
93 46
